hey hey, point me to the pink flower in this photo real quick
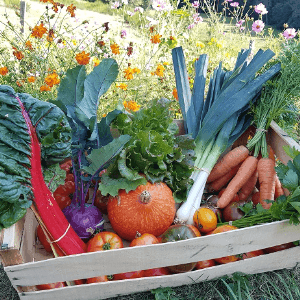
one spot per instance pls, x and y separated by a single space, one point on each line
289 33
191 26
129 13
240 23
161 5
197 18
139 9
261 9
258 26
115 5
196 4
123 33
234 4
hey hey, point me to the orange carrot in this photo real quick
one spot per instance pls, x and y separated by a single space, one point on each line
219 183
242 176
229 161
278 188
271 152
255 198
248 187
266 177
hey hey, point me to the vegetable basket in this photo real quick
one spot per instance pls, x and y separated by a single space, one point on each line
28 265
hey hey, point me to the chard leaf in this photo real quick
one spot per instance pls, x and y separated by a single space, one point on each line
54 176
52 130
291 152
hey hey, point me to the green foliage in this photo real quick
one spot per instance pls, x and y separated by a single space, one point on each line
54 176
164 294
153 150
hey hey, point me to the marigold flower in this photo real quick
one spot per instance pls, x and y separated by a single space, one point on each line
50 36
122 86
159 70
175 94
19 84
31 79
52 79
96 61
83 58
128 73
166 63
28 45
3 71
131 105
115 48
104 115
136 70
38 31
155 39
44 88
200 44
100 44
151 29
18 54
71 8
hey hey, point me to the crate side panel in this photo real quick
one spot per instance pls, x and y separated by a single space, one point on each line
153 256
259 264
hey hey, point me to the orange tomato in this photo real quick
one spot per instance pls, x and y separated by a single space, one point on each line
252 254
102 278
205 264
205 219
195 229
144 239
230 258
104 241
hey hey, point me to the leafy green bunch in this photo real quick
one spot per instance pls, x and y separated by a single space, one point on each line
154 150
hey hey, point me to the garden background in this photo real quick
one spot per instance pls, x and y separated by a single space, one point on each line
140 35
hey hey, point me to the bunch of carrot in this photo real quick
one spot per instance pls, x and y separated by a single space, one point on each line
240 172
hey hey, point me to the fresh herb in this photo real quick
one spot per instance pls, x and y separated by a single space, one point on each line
154 151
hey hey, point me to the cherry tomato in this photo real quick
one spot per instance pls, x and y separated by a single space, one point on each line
61 190
50 286
252 254
66 166
70 187
278 247
62 201
69 177
156 272
102 278
104 241
205 264
129 275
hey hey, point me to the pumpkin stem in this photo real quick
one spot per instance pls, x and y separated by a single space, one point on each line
145 197
137 235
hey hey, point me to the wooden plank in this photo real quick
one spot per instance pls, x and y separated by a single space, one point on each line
132 259
278 139
259 264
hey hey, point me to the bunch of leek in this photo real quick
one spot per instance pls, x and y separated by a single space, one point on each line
219 120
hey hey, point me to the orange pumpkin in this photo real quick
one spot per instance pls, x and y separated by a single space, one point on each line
149 208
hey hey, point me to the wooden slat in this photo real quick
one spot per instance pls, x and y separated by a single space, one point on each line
152 256
259 264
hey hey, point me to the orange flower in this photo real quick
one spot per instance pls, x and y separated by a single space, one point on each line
28 45
136 70
175 94
52 79
38 31
3 71
131 105
159 70
50 36
44 1
31 79
18 54
115 48
128 73
122 86
155 39
151 29
71 8
83 58
44 88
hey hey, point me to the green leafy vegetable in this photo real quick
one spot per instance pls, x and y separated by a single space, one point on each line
54 176
154 150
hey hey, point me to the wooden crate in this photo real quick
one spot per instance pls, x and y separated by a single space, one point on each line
37 268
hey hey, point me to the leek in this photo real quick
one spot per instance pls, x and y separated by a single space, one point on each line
219 120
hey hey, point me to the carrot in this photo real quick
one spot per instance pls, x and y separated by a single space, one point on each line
266 178
248 187
255 198
271 152
242 176
278 188
219 183
229 161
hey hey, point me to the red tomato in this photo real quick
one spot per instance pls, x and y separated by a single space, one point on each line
279 247
66 165
102 278
70 187
205 264
129 275
50 286
144 239
69 177
156 272
104 241
61 190
252 254
62 201
101 202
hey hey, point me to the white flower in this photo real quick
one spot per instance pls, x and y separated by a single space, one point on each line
125 2
290 33
130 13
261 9
161 5
139 9
115 5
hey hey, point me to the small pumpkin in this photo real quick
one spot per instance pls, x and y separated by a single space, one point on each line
149 208
175 233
